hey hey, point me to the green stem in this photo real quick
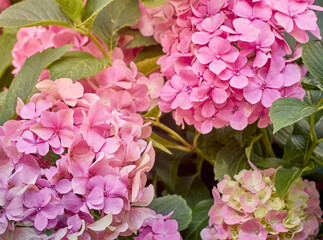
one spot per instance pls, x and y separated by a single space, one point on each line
172 133
196 138
267 143
320 140
187 146
96 41
309 153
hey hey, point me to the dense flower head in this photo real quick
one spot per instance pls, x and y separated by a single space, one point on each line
159 227
71 164
226 60
248 207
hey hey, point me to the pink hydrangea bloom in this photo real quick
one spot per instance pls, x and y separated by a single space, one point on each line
240 45
248 207
159 227
100 165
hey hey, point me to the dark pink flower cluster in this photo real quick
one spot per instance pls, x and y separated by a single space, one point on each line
226 60
94 188
159 227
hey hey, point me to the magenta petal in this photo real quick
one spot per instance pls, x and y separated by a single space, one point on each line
252 93
239 120
208 109
204 55
207 126
40 221
113 205
63 186
219 95
50 211
217 66
201 38
239 81
269 96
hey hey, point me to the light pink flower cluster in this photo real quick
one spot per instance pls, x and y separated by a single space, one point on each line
125 89
225 60
96 187
159 227
250 208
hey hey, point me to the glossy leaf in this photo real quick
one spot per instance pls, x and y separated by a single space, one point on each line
176 204
34 13
286 111
148 65
200 220
230 160
313 57
116 15
23 84
72 8
7 41
77 65
93 7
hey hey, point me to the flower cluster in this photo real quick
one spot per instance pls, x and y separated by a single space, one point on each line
37 39
72 166
125 89
119 87
226 60
251 209
159 227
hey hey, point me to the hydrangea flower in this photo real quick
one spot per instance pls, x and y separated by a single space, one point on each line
238 44
247 206
95 185
159 227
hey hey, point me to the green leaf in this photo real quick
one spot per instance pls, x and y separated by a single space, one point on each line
244 136
153 113
153 3
284 179
23 84
265 163
72 8
286 111
200 220
7 42
3 97
283 135
231 159
166 168
192 189
248 149
34 13
148 65
113 17
93 7
76 65
149 52
139 40
176 204
313 57
159 143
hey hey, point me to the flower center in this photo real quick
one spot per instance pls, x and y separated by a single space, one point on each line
38 209
263 86
218 56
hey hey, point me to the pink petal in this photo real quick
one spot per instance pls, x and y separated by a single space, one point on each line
40 221
269 96
217 66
